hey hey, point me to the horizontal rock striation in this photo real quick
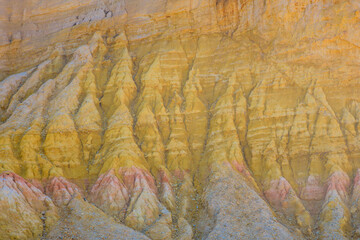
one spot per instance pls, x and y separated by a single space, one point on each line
179 119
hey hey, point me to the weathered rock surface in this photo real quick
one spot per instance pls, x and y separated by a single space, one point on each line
216 119
26 213
82 220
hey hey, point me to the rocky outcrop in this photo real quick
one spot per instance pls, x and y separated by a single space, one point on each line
84 220
26 212
179 119
236 210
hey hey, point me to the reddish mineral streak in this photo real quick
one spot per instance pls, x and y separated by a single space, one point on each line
138 119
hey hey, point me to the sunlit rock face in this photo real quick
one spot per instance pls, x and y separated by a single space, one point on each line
215 119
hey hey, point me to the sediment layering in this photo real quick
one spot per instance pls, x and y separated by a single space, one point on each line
151 119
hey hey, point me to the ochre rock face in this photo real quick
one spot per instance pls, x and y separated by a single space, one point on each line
151 119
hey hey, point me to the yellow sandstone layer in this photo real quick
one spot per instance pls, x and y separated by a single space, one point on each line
179 119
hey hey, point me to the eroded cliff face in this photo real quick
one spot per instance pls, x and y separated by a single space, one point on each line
180 119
